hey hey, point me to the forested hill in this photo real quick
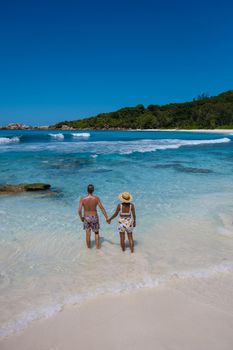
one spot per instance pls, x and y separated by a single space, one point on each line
203 112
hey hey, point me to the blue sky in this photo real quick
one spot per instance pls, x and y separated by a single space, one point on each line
62 60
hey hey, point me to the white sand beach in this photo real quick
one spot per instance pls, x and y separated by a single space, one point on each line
187 314
213 131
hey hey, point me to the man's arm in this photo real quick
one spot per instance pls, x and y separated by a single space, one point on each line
134 215
80 209
102 209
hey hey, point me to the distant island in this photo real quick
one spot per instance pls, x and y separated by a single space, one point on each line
203 112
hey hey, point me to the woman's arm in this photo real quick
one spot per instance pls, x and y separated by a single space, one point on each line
115 214
134 215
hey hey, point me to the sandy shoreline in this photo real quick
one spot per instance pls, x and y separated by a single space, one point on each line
168 317
212 131
220 131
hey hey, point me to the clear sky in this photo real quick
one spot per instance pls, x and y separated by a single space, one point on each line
64 59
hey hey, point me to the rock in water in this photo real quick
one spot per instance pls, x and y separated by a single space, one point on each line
36 187
4 189
11 189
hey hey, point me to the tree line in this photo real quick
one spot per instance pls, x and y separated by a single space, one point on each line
203 112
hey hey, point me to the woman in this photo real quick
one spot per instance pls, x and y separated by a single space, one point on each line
127 219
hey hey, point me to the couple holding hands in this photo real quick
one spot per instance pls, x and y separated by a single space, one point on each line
126 222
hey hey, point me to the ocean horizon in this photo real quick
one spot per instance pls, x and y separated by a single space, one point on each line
182 186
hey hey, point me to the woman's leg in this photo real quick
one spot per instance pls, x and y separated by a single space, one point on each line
131 242
122 240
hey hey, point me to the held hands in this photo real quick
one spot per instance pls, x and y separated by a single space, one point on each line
108 221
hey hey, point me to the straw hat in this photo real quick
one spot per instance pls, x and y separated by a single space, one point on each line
125 197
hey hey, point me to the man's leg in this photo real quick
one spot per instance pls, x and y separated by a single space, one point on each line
122 240
97 240
88 238
131 242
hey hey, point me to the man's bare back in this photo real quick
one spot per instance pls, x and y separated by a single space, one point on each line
89 204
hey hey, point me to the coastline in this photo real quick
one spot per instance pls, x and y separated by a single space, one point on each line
171 316
213 131
221 131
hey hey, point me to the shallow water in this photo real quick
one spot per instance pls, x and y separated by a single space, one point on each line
182 185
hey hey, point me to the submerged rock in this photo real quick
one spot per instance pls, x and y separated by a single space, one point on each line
183 169
5 189
37 187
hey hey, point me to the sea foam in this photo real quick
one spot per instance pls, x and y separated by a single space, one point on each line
83 134
27 318
110 147
143 146
5 140
57 136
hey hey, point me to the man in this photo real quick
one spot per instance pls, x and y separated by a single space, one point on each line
90 218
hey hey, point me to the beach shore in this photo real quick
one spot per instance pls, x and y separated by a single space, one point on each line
186 314
213 131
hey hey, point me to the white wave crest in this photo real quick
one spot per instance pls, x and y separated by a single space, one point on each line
143 146
154 145
81 134
117 147
57 136
200 142
4 140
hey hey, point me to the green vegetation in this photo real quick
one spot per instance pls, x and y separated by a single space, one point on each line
202 113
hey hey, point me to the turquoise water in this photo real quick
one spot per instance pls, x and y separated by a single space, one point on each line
182 185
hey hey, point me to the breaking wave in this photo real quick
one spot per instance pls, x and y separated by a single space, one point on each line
81 134
5 140
143 146
109 147
57 136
